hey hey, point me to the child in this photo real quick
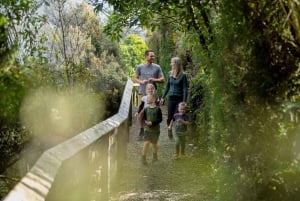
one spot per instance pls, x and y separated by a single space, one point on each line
180 121
152 117
150 89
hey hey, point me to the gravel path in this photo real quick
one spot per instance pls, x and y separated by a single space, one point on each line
167 179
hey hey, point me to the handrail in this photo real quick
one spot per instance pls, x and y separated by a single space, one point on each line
39 181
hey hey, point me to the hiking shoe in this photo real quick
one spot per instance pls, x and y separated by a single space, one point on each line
144 161
141 134
176 157
170 134
154 159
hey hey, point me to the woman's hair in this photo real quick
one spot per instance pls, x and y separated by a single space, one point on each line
178 64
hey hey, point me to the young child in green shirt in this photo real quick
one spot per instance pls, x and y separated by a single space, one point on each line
152 117
150 89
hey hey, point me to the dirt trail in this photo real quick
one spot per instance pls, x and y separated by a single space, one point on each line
167 179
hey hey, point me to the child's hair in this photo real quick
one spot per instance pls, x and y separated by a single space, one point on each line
183 104
150 85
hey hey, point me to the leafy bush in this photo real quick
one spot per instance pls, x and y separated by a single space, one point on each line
11 143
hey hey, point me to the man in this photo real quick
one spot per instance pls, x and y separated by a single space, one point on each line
148 72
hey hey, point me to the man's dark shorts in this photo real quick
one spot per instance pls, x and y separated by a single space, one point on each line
151 136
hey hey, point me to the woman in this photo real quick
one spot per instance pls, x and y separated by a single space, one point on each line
177 87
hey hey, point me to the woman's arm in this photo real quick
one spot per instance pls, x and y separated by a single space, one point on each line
166 90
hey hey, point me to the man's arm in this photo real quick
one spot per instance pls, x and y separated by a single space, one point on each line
158 80
137 78
137 75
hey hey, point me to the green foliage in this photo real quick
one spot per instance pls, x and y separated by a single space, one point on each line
197 101
249 135
132 51
108 77
13 87
20 23
246 55
167 46
76 42
93 66
11 142
183 15
163 42
3 38
15 82
250 69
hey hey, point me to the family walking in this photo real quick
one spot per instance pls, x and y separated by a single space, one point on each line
149 113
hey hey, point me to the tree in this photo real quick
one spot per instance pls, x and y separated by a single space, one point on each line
132 52
185 15
74 36
68 41
250 59
19 25
20 22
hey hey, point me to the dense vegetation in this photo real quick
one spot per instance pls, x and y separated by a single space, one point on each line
242 57
245 94
59 73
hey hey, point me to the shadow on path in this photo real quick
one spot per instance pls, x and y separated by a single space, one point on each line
167 179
